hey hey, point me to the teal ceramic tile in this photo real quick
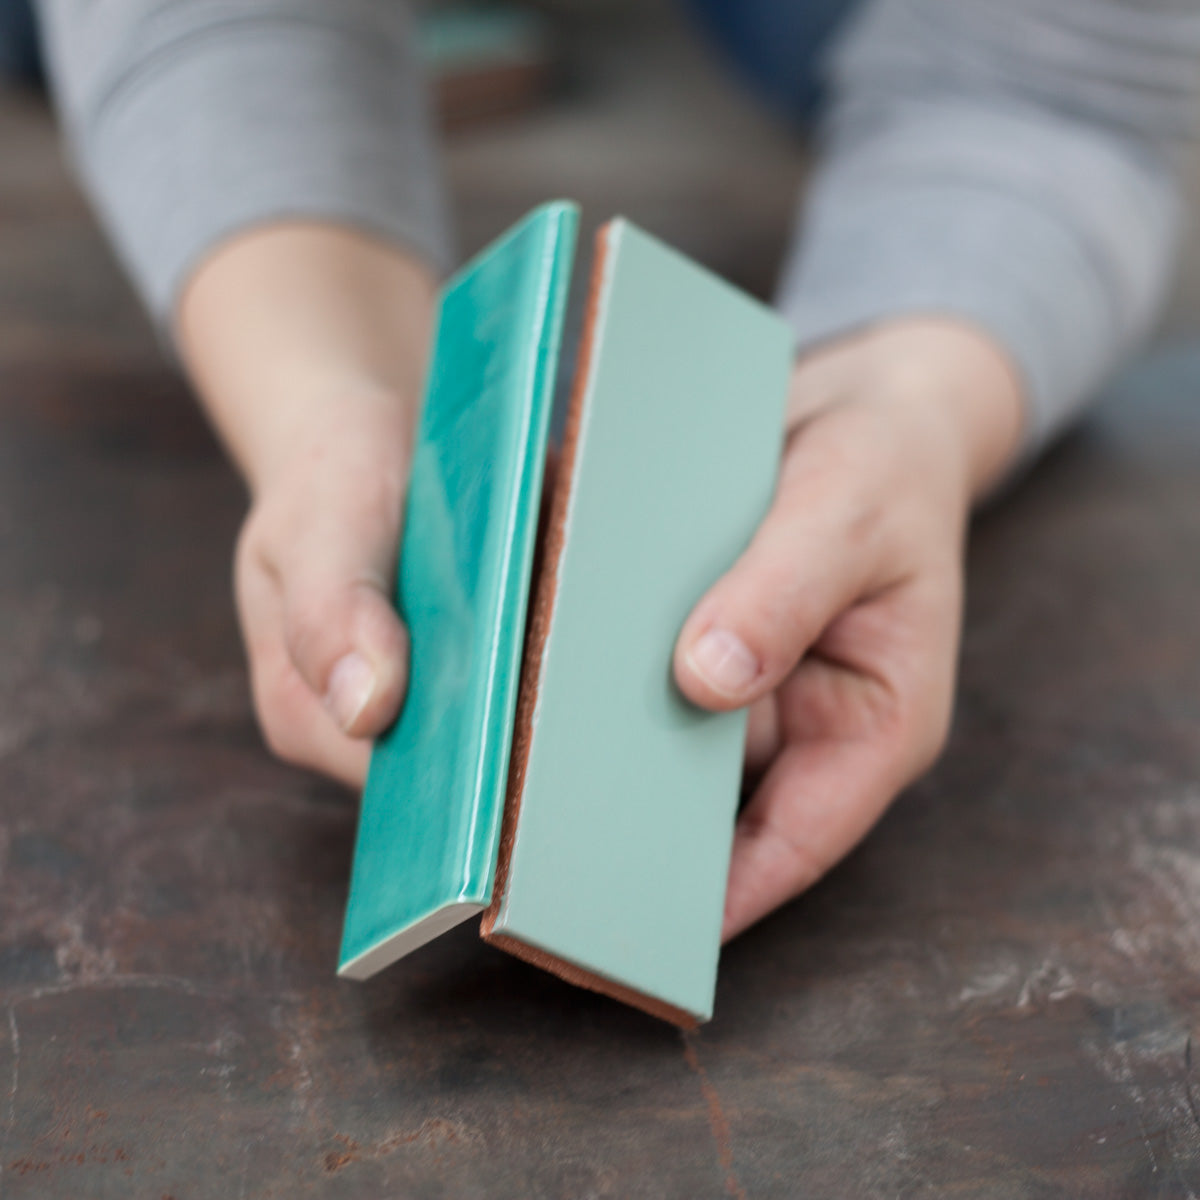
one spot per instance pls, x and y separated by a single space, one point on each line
618 841
428 830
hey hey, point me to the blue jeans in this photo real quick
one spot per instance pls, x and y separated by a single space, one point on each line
777 46
19 57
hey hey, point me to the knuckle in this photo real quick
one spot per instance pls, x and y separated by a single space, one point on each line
277 707
254 537
863 523
279 742
802 864
305 620
930 735
312 626
247 552
781 622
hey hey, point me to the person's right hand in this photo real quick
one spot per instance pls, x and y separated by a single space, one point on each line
839 625
308 345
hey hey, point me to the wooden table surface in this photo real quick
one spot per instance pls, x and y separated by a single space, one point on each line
996 997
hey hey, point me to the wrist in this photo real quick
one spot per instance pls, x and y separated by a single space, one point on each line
353 428
950 392
307 343
975 385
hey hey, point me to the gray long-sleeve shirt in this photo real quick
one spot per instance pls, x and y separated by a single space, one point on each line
1015 165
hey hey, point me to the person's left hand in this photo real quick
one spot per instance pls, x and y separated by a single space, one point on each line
840 623
307 343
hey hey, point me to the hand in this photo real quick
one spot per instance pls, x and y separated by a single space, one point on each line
314 574
839 625
307 344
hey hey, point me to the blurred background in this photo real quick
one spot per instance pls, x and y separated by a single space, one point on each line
630 106
619 104
627 106
623 105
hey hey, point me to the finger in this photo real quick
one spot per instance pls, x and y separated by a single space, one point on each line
763 736
812 557
815 804
340 628
296 725
853 739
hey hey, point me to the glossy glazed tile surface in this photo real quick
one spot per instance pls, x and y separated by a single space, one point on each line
626 817
429 825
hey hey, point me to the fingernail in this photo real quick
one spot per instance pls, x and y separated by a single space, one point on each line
351 685
725 662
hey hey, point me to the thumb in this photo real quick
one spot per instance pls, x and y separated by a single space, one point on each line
343 634
756 623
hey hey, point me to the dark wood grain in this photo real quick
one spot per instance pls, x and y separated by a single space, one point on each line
997 997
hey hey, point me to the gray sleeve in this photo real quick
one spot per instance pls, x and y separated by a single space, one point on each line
1015 165
191 120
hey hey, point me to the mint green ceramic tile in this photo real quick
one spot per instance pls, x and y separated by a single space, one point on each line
626 818
430 821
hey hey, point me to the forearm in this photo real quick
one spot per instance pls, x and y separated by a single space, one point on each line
303 337
1012 170
192 121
